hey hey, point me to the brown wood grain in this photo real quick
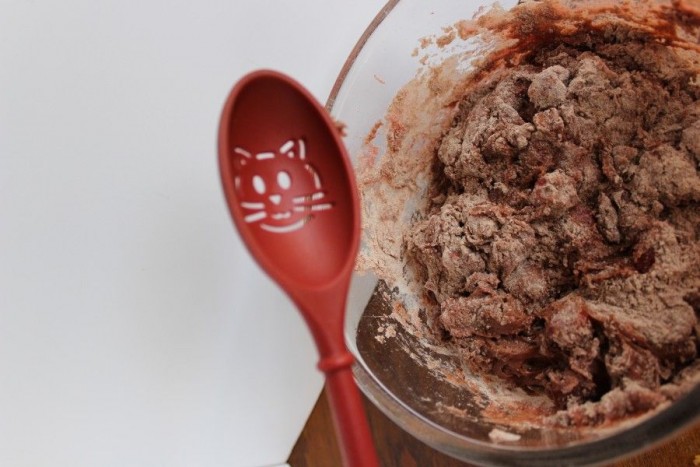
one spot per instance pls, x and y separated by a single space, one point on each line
317 447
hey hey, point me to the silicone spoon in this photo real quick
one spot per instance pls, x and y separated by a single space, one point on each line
291 192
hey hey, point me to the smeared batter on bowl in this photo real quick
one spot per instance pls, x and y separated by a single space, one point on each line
560 247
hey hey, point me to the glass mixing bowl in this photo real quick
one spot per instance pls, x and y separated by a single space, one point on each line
433 410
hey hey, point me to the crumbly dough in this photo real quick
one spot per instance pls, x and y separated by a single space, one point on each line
561 249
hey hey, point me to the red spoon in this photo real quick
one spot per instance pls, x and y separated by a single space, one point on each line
292 195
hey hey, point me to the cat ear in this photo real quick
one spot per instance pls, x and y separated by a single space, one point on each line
240 157
294 148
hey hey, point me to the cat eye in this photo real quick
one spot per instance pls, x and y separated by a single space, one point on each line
259 184
283 180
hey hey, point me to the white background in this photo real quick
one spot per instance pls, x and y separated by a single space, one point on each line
135 330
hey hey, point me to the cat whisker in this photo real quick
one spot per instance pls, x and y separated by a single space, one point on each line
306 198
246 205
313 207
255 217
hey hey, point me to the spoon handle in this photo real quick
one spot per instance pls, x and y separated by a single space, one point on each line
354 436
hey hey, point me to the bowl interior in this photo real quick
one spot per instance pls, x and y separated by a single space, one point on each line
395 368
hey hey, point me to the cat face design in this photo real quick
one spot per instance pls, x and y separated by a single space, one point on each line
280 190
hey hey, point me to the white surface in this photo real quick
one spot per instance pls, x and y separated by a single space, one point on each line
134 328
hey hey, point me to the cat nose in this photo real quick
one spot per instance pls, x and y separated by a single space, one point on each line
275 199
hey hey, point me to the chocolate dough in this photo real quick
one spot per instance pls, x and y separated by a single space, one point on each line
560 251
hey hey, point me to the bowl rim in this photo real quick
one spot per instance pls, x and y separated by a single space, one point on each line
359 45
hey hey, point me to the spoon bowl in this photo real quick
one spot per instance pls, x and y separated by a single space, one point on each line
265 112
